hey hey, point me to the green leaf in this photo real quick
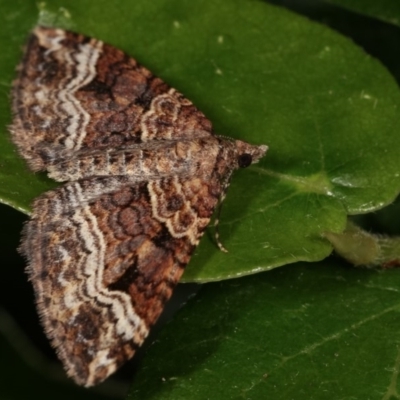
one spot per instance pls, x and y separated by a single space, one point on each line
328 111
309 331
386 10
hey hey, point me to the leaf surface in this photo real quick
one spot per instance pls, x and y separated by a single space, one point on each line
318 331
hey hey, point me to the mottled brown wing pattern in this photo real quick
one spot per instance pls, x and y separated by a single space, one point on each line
75 92
144 173
108 263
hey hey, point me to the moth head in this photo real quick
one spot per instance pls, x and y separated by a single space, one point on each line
248 154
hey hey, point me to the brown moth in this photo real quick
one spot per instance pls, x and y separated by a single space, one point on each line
144 173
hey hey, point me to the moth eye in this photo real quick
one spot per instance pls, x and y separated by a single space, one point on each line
244 160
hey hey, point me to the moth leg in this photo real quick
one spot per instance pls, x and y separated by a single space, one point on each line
216 225
216 222
225 184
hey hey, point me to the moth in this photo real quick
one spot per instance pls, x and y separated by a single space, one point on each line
143 173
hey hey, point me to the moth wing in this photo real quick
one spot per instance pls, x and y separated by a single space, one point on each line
104 257
74 92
